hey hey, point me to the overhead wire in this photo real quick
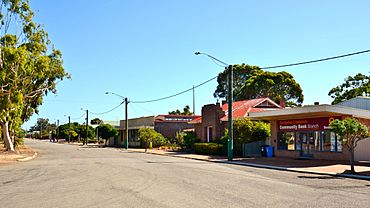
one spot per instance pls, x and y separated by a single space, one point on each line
108 110
317 60
269 67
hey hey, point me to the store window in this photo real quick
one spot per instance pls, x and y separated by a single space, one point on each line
331 142
286 141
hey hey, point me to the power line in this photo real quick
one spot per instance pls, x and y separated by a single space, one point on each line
164 98
269 67
108 110
317 60
78 117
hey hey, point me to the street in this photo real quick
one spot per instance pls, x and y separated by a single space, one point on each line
72 176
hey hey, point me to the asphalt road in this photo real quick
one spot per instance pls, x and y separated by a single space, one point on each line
72 176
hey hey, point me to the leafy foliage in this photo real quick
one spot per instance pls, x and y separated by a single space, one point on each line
246 131
351 131
107 131
43 126
96 121
29 67
148 135
251 82
186 111
358 85
208 148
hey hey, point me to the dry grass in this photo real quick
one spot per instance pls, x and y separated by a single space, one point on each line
10 157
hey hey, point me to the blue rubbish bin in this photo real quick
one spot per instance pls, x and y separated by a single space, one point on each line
269 151
263 150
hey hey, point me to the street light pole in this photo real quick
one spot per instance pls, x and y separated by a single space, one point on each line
126 123
229 69
125 100
87 125
230 141
69 129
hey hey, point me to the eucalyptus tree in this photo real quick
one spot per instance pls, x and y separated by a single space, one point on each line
29 66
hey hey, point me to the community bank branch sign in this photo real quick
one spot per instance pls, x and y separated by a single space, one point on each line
309 124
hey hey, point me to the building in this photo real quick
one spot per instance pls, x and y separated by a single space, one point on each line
167 125
305 132
213 121
359 102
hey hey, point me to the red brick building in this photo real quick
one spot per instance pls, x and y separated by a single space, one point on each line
213 121
167 125
305 132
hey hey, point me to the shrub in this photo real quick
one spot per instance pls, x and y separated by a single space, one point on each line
208 148
246 131
147 135
189 140
18 142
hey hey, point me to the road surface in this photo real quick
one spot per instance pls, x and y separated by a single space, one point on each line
72 176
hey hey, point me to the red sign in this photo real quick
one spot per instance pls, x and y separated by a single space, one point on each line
309 124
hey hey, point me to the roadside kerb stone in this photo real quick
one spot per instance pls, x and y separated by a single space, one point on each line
27 158
296 170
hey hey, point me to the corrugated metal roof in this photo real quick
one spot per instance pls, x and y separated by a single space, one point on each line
359 102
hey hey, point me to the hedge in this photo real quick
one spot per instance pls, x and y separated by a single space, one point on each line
208 148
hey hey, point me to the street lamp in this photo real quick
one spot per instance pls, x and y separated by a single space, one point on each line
229 69
125 100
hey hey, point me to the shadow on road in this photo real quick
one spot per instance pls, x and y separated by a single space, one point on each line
320 177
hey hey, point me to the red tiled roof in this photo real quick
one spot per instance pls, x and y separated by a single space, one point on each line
196 120
242 108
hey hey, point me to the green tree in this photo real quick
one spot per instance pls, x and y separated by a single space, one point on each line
29 68
43 126
107 131
147 135
252 82
247 131
186 111
351 131
358 85
96 121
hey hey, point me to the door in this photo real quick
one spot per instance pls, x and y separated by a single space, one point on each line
307 144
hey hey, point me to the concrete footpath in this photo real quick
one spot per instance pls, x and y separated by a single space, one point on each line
322 167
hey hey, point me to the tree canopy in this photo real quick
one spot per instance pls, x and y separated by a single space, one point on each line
351 131
29 66
107 131
186 111
251 82
96 121
358 85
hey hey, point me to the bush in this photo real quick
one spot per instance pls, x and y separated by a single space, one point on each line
147 135
208 148
246 131
189 140
18 142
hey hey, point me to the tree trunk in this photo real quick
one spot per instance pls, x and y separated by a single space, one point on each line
352 160
8 141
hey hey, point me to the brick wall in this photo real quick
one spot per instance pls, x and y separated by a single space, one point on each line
211 115
169 129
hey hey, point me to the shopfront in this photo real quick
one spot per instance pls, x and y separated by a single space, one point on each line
305 131
308 136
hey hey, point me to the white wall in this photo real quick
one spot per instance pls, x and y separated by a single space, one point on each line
362 151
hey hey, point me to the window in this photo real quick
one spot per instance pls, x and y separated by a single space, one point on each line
286 141
331 142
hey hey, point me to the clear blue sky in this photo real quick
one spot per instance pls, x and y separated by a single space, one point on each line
144 49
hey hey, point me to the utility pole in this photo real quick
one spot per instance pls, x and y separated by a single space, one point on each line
193 101
87 125
229 69
230 112
126 123
69 129
57 131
